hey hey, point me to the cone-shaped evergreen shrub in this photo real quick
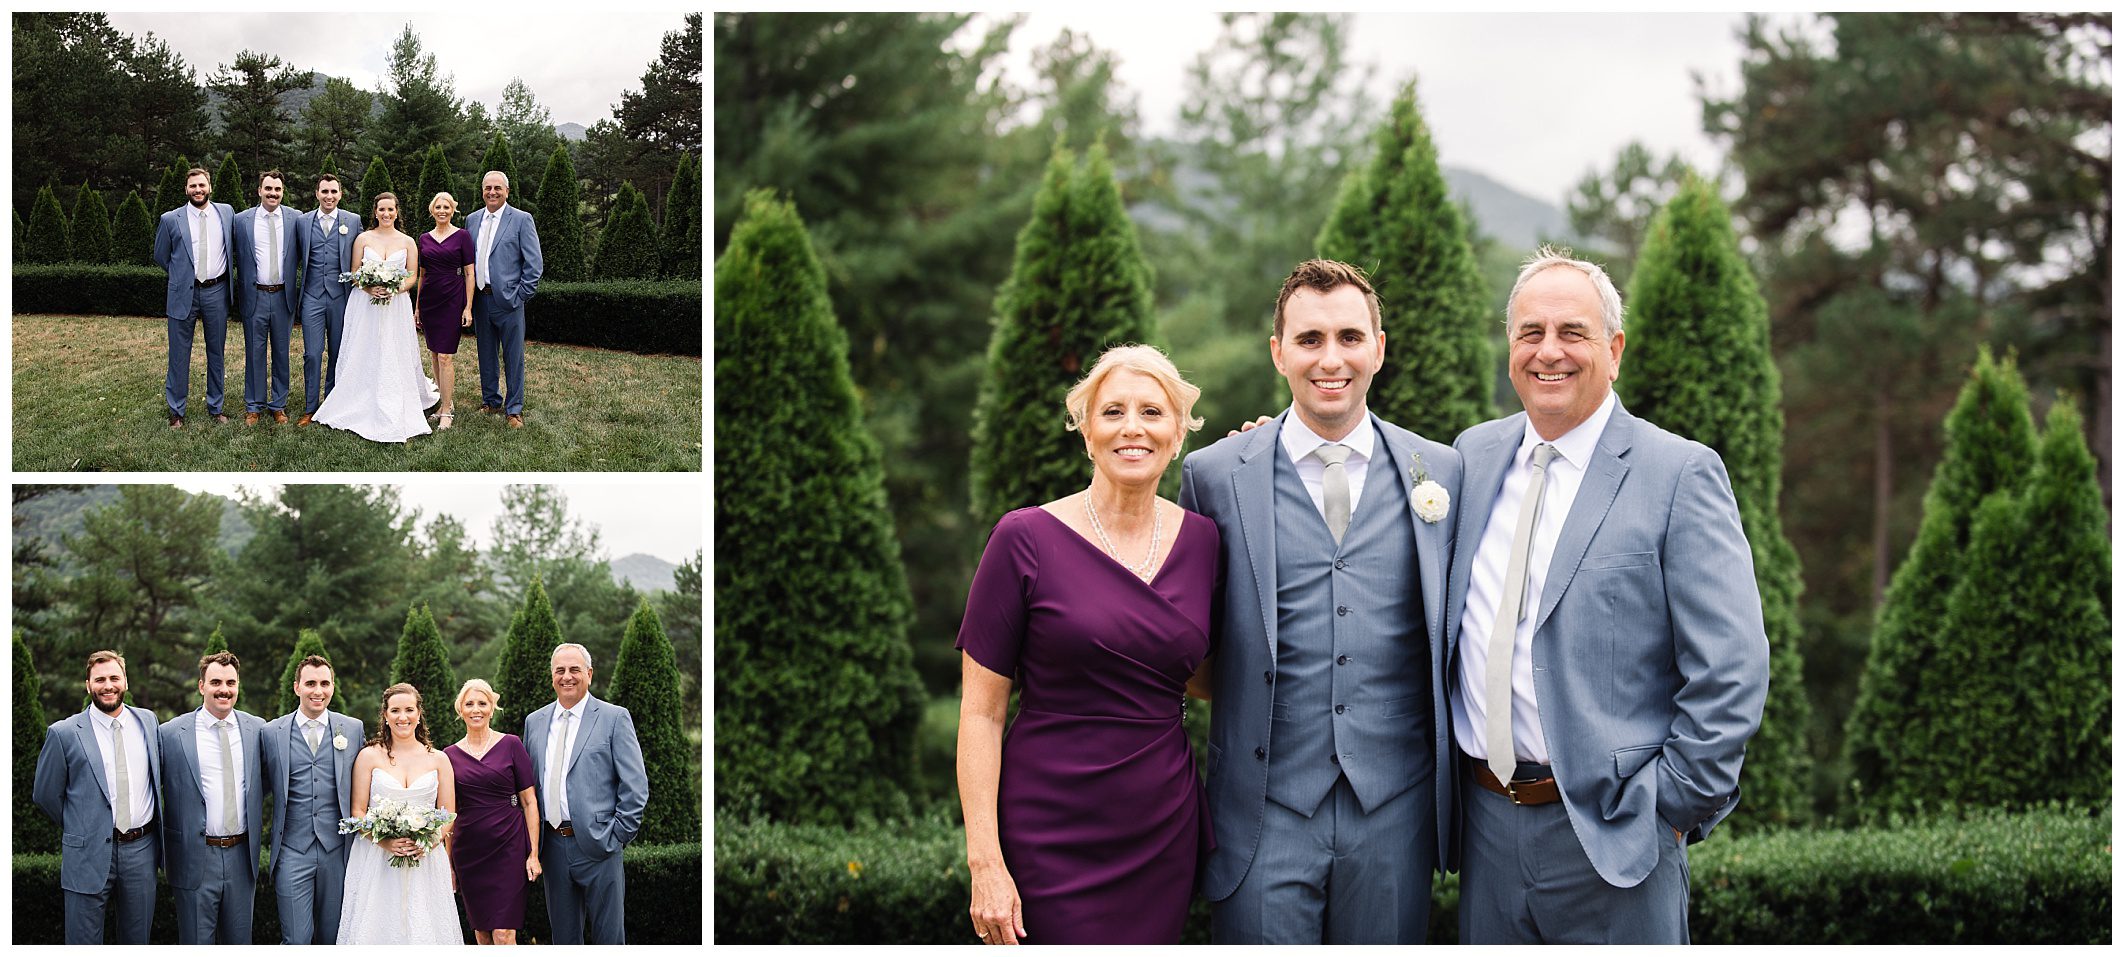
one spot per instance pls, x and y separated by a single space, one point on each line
424 663
33 832
645 681
1699 365
48 240
91 222
525 677
1892 740
1395 221
229 186
169 193
133 235
560 227
816 699
306 644
434 178
680 232
1078 286
628 247
216 643
374 183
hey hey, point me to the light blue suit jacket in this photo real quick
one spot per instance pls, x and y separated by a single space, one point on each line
273 744
1233 482
326 282
1650 662
608 784
184 830
516 260
173 252
70 788
245 261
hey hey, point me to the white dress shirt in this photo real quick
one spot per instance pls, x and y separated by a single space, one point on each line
1300 442
1567 471
204 227
558 751
487 230
265 229
137 771
207 739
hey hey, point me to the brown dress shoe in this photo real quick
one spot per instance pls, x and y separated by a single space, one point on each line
305 420
490 409
279 417
176 421
220 419
250 418
516 422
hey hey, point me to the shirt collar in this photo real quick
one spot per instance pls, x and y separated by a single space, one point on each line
208 717
1575 446
1299 440
577 710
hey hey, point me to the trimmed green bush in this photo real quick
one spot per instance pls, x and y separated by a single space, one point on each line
1699 365
90 223
525 677
133 235
627 249
500 157
560 233
816 698
32 830
680 232
434 178
424 663
228 186
645 681
1395 221
374 183
48 240
1078 286
215 642
169 193
308 643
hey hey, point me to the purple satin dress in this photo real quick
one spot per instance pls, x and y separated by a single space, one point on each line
442 289
491 844
1101 813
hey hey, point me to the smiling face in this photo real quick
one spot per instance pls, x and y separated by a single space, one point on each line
494 190
1131 428
313 690
269 190
402 713
386 214
442 210
1563 361
477 710
106 686
1328 352
197 188
218 688
571 676
328 195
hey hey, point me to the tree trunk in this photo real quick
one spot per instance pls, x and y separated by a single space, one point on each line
1883 492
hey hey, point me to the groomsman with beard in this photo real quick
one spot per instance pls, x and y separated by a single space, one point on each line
308 759
211 773
192 244
593 788
96 779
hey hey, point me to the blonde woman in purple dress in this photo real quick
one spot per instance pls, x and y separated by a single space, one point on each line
496 831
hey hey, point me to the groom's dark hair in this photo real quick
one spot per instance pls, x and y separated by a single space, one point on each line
313 661
1325 276
321 177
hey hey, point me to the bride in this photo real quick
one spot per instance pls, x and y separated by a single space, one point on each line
400 905
379 391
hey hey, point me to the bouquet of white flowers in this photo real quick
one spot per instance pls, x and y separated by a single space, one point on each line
387 275
387 820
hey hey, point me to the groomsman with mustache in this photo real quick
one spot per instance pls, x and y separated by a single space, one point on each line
212 785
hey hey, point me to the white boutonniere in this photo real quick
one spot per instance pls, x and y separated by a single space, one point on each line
339 742
1427 497
342 229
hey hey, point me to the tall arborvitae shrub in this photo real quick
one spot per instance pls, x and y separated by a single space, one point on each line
500 157
434 178
133 235
48 241
645 681
627 250
524 679
91 226
308 643
1699 365
815 712
1893 741
229 186
374 183
169 192
1078 286
33 832
560 227
424 663
216 643
1395 221
680 255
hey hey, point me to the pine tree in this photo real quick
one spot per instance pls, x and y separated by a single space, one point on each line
1892 744
228 185
169 193
1395 221
524 679
680 257
560 227
499 157
49 239
434 178
628 247
645 681
424 663
133 236
33 832
216 643
376 182
1079 286
91 222
1700 366
308 643
815 713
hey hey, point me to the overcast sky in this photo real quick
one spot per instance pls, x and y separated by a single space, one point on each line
660 518
1533 101
577 63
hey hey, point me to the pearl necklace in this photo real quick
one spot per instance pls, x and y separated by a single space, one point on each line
1157 525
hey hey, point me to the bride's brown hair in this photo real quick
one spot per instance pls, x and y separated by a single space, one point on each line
383 714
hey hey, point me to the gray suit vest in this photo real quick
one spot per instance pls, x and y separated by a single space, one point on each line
313 805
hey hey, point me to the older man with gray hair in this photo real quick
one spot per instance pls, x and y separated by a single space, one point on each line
592 790
506 265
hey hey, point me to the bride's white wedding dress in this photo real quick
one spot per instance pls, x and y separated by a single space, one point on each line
379 390
397 905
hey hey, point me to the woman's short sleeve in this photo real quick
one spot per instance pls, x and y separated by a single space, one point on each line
520 764
993 629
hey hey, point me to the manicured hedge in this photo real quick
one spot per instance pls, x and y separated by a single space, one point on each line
657 318
2041 877
663 901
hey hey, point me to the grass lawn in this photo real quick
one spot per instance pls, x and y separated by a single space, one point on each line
88 397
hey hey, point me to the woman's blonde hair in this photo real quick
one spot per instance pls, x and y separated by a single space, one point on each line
1147 360
480 685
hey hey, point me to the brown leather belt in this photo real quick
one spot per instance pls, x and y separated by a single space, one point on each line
128 837
1543 791
566 829
230 841
276 287
216 281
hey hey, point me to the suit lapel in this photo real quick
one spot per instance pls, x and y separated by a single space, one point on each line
1430 544
1254 495
188 747
1482 469
1604 477
593 715
85 728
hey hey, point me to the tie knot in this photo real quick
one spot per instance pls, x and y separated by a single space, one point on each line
1333 453
222 724
1543 453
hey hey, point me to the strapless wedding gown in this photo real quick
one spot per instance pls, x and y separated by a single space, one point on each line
397 905
379 391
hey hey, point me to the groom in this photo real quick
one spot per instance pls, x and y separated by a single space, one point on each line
308 760
593 788
326 240
192 244
507 264
210 776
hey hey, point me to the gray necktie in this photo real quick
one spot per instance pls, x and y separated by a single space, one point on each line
229 824
1335 488
312 733
557 769
122 779
272 248
1497 678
